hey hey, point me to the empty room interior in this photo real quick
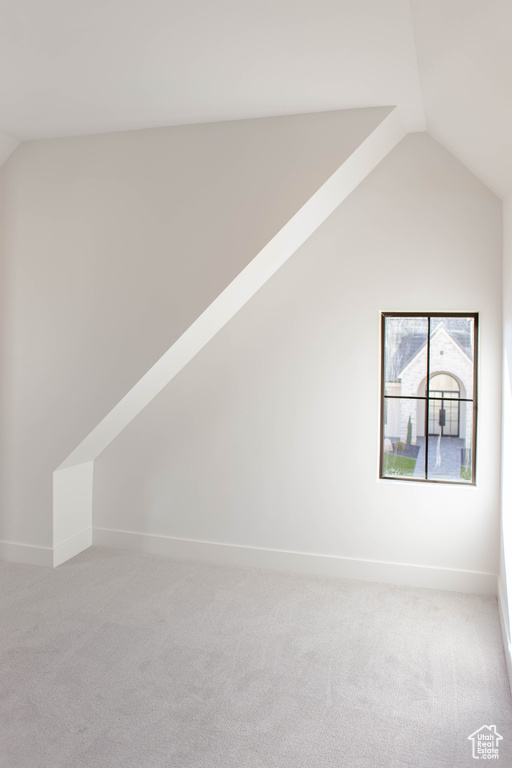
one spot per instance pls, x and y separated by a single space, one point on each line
255 384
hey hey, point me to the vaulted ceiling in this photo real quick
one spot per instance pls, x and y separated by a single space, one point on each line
465 67
71 67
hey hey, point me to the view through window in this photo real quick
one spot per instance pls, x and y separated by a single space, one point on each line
428 409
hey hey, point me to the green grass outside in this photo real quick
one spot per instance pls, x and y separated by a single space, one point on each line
465 473
398 465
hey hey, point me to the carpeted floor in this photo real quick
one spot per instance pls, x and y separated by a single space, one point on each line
126 660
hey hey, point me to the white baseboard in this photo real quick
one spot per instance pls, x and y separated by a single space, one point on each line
71 547
472 582
507 645
26 553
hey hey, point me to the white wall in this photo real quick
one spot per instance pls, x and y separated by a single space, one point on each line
110 247
269 438
505 572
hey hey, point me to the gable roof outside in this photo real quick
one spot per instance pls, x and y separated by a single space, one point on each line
413 338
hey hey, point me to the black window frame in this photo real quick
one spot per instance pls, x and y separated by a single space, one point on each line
427 398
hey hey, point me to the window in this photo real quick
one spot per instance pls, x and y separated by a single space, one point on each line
428 408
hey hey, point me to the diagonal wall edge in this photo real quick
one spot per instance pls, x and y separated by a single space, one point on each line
73 479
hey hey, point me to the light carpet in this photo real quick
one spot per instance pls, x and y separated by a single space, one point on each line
127 660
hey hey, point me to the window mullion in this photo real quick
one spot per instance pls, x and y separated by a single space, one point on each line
427 401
